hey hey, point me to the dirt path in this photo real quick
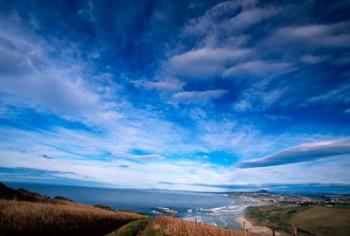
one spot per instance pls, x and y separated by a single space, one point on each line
244 223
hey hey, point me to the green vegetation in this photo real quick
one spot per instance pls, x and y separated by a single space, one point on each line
61 200
153 229
274 217
131 229
315 219
103 207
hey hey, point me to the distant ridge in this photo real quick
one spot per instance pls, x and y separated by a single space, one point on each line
20 194
263 191
25 195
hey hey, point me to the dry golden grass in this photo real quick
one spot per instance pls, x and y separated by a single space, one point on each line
28 218
174 227
323 220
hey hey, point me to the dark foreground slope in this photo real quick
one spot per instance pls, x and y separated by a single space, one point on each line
27 213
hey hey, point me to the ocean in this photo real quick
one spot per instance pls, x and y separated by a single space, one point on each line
211 208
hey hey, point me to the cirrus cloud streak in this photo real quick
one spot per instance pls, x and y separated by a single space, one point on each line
302 153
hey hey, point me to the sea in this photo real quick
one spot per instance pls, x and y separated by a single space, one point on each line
211 208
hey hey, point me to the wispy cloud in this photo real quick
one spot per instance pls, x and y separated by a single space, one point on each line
199 97
250 17
258 68
319 35
205 62
313 59
161 85
303 153
34 78
341 95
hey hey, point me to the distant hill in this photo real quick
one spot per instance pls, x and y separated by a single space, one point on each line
263 191
21 195
313 219
25 195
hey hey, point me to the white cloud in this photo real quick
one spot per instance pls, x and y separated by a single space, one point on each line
113 173
257 99
314 59
161 85
149 174
198 97
242 105
227 134
33 79
258 68
327 170
249 18
316 36
340 94
214 18
205 62
302 153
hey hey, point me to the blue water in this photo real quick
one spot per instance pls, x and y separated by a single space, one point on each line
211 208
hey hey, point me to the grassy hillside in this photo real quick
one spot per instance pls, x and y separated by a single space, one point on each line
272 216
28 218
174 227
323 220
167 226
317 220
27 213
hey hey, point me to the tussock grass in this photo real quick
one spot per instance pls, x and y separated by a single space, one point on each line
322 220
28 218
168 226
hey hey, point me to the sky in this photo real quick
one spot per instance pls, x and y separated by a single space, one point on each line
193 95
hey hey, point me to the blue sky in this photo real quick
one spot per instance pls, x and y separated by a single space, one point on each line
175 94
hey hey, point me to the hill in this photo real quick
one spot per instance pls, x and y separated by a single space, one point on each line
27 213
322 220
21 195
310 219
